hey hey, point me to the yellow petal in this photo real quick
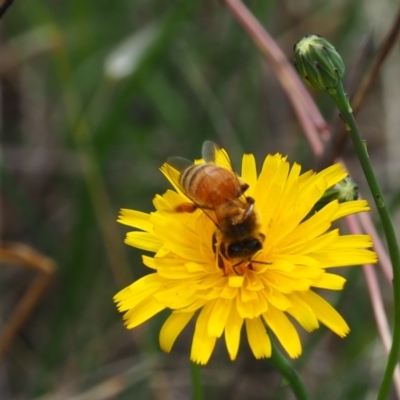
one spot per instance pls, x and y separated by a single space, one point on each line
352 241
305 177
351 207
196 305
172 175
281 264
284 331
232 332
249 172
308 246
279 282
258 338
169 201
196 267
304 272
311 184
172 327
291 189
138 291
218 317
326 313
345 257
311 188
235 281
143 240
228 293
178 238
207 281
302 313
136 219
254 306
222 158
270 201
293 177
142 312
176 294
277 299
170 268
312 227
297 259
245 308
149 262
302 285
253 282
268 175
203 344
329 281
333 174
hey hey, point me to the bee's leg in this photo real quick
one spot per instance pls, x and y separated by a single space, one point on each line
248 210
214 243
221 264
243 187
258 262
248 264
186 207
238 265
218 258
250 200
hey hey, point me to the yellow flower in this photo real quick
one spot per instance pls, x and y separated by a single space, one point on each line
296 255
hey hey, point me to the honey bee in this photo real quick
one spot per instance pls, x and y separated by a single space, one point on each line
217 190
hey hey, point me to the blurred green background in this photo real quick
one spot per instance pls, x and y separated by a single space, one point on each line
95 95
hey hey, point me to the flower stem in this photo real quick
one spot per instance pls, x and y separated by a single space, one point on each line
342 103
282 365
197 390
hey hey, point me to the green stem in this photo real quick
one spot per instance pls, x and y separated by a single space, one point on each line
282 365
343 105
197 390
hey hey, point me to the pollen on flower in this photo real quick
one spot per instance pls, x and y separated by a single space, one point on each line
248 254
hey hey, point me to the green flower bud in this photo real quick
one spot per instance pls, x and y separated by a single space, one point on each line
347 190
343 191
318 63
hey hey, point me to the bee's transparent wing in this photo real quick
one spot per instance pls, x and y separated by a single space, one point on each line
179 163
212 153
208 151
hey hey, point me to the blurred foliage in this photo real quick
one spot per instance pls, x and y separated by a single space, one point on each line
94 97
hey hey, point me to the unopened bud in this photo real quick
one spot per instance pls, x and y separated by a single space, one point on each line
318 62
343 191
346 189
